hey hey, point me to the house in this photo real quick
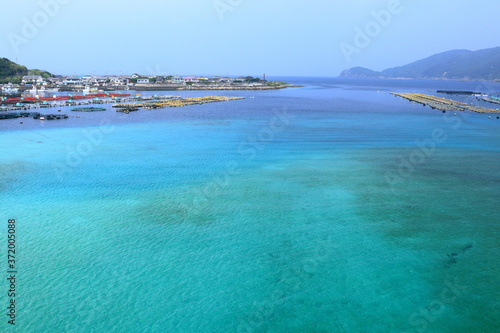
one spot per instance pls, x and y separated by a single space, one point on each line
143 81
99 80
178 80
86 79
54 80
191 79
73 80
219 79
32 79
118 80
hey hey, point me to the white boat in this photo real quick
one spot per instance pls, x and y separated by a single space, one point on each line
9 89
87 90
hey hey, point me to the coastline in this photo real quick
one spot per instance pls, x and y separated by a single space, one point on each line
163 87
172 87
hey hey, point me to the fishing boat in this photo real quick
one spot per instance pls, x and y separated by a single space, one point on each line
9 89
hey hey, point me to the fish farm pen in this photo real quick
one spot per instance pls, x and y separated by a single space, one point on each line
34 115
88 109
443 104
179 102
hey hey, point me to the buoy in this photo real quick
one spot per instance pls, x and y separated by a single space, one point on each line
20 122
454 114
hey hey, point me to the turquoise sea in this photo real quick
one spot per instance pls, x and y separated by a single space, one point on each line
332 207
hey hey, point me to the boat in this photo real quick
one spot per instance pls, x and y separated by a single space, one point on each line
34 91
9 89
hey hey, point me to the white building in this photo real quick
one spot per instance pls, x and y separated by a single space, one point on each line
178 80
118 80
73 80
32 79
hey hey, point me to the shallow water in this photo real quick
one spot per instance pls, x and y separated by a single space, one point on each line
334 207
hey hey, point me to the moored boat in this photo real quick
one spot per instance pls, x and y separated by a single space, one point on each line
9 89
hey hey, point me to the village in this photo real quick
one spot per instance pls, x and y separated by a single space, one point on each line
37 83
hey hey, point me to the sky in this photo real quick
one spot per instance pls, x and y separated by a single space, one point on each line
238 37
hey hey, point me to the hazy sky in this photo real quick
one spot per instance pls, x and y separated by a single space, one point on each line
239 37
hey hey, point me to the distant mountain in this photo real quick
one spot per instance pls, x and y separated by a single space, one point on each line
12 72
456 64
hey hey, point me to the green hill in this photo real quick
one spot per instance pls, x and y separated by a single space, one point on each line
456 64
12 72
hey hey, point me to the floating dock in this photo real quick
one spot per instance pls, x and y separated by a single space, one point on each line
443 104
458 92
178 102
489 99
38 99
88 109
34 115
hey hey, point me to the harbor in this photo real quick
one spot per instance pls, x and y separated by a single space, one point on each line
19 107
24 103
